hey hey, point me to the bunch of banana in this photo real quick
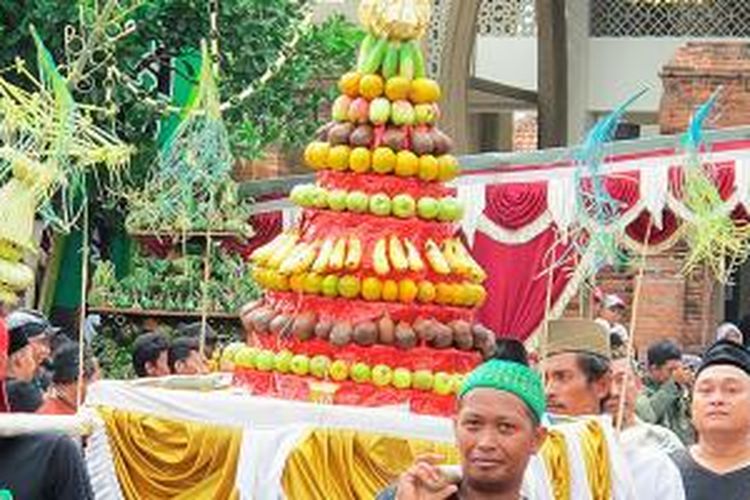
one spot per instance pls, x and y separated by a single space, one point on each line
396 19
475 271
416 263
353 254
15 276
397 254
338 255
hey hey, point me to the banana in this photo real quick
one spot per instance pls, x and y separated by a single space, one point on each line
475 271
9 251
380 257
261 254
420 67
397 254
390 63
353 254
375 57
338 255
416 263
406 62
324 256
435 258
282 252
456 263
293 259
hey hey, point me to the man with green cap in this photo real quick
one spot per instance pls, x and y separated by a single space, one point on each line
500 407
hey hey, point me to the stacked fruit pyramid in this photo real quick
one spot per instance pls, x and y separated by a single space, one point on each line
373 289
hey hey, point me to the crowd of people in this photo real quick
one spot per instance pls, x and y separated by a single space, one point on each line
683 421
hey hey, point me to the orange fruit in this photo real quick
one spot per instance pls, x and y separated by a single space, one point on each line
383 160
390 291
316 155
372 289
426 292
397 88
349 84
444 295
428 168
371 86
457 294
476 294
424 90
407 164
407 291
447 168
297 282
312 283
360 160
338 157
349 286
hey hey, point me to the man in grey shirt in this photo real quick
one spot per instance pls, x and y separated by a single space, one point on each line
718 466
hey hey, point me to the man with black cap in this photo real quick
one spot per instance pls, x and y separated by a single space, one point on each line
718 466
39 333
21 365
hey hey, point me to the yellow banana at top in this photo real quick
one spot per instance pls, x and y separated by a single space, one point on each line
396 19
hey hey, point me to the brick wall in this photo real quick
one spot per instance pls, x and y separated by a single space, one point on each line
694 72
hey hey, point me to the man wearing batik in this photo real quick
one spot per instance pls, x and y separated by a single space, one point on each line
498 430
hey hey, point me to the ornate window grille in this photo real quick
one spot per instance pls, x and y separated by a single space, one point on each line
512 18
670 18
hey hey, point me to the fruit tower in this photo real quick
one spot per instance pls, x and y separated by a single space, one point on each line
373 289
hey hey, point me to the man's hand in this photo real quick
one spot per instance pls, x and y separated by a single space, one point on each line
424 481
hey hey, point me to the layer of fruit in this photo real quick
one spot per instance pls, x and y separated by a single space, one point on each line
419 93
403 206
345 322
373 289
289 255
380 370
381 159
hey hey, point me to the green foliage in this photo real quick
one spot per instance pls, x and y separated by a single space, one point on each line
252 35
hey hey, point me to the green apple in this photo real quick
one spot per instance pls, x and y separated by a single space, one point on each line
282 360
339 370
457 381
264 360
380 110
426 114
302 195
330 285
380 204
428 207
403 206
423 380
360 372
443 384
246 356
401 378
229 353
319 365
320 197
337 200
300 364
357 201
450 209
382 375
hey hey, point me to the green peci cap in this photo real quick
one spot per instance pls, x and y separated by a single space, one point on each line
508 376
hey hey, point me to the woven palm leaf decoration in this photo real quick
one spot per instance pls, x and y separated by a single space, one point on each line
191 188
713 238
48 145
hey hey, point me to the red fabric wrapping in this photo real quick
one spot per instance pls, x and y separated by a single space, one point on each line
638 229
388 184
514 206
286 386
518 283
722 174
356 311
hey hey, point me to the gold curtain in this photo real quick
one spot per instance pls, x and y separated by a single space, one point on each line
349 465
158 458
